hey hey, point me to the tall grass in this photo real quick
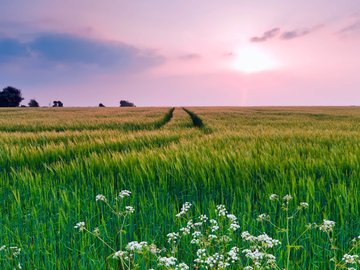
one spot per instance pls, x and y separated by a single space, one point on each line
49 179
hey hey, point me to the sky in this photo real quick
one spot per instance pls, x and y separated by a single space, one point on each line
182 53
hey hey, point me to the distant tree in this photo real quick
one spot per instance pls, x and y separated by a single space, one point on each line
125 103
10 97
23 106
58 103
101 105
33 103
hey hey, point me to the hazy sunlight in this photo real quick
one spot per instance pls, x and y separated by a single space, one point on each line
253 59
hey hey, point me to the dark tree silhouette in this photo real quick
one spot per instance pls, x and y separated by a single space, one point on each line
101 105
33 103
58 103
10 97
125 103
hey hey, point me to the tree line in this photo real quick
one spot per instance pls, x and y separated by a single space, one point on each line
12 97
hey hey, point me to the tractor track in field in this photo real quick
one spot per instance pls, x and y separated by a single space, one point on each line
167 118
197 121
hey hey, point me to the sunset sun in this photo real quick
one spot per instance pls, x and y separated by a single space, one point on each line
253 59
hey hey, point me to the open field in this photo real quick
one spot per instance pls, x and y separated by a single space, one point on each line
53 162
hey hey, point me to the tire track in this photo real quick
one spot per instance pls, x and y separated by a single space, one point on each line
197 121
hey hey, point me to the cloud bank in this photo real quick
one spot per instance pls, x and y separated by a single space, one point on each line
70 51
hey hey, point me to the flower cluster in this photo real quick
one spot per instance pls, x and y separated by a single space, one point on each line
184 209
351 259
212 238
167 261
80 226
258 251
14 250
100 197
327 226
124 193
12 253
133 248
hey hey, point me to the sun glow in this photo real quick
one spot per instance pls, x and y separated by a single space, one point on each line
253 59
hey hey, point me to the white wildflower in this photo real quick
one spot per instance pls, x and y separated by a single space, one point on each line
185 230
153 249
247 236
267 241
15 251
129 209
172 237
136 246
100 197
263 217
196 235
234 226
182 266
214 226
273 197
212 236
327 226
233 254
304 205
232 217
167 261
255 255
213 222
201 252
184 209
80 226
124 193
287 198
221 210
201 256
351 259
121 255
262 240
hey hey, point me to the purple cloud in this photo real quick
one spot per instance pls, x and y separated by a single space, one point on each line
295 34
67 50
350 28
285 35
266 36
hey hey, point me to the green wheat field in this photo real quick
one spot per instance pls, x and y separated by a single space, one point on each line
54 162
